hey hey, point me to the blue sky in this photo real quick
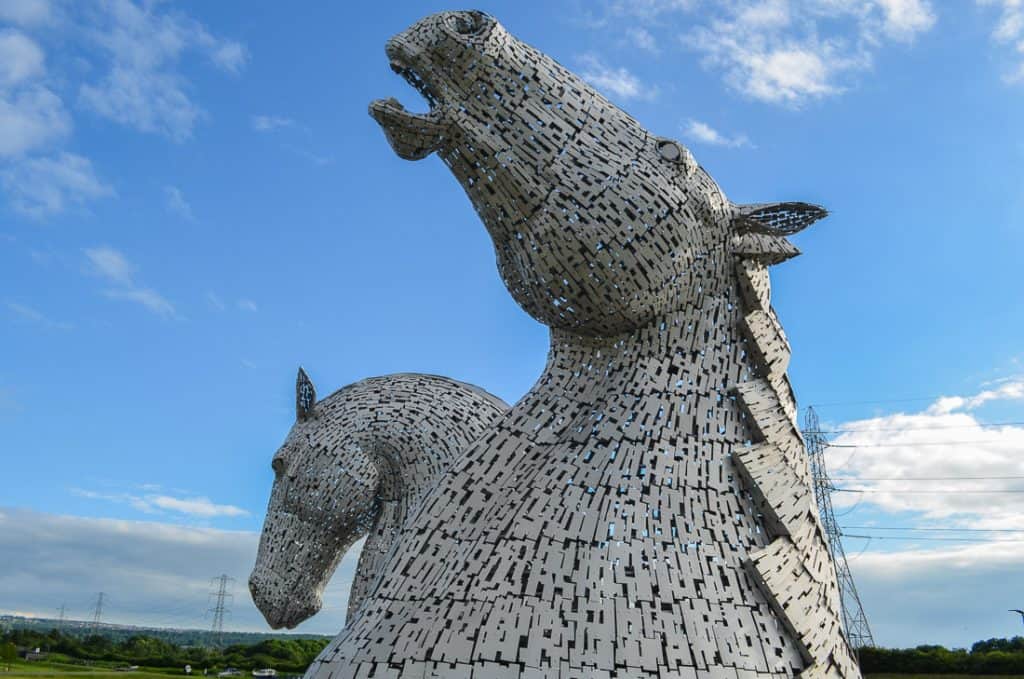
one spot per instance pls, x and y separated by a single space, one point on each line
193 202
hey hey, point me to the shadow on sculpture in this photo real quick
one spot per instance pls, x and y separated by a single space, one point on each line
645 510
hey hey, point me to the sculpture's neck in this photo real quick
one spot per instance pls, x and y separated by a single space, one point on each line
673 352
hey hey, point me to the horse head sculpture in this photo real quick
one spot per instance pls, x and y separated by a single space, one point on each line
355 465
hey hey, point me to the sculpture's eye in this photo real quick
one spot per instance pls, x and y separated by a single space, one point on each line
468 23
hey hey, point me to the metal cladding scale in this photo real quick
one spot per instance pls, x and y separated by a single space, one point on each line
645 510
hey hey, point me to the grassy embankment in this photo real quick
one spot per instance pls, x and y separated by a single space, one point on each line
44 669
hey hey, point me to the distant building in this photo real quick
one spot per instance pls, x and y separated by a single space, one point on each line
32 654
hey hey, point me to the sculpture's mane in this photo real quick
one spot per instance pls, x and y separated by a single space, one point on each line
791 570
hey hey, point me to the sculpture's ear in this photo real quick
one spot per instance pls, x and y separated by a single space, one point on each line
776 219
305 397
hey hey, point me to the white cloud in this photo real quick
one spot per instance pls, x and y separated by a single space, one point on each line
147 297
648 9
20 58
229 56
904 19
791 51
40 187
31 118
195 506
32 315
115 267
176 203
25 12
944 444
641 38
155 573
618 82
1009 30
31 115
702 132
153 503
314 158
143 87
264 123
111 264
247 305
215 302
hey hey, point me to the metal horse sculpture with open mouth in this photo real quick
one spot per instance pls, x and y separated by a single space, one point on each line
645 510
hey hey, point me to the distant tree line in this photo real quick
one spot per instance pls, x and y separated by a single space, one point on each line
994 656
284 655
178 637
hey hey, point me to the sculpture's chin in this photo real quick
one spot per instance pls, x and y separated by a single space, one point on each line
281 608
291 614
412 135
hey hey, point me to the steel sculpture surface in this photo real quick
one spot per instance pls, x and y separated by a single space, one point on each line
646 509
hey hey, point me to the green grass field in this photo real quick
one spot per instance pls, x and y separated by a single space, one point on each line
942 676
41 670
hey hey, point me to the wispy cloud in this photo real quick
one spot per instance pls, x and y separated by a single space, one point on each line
641 38
26 12
618 82
265 123
247 305
33 120
792 51
147 297
143 87
112 265
155 503
45 186
1009 31
175 201
314 158
215 302
648 10
32 315
20 58
704 133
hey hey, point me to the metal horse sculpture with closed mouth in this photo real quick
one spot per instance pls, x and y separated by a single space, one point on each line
645 510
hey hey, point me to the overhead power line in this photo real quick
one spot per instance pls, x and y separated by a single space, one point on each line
926 478
915 538
910 399
950 426
937 491
933 528
917 444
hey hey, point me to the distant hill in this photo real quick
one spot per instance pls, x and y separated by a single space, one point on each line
177 636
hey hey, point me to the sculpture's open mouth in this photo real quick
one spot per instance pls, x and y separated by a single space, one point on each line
411 135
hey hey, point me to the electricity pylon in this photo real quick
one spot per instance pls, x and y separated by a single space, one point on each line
858 634
220 608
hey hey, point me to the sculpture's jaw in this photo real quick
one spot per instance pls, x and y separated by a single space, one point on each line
283 606
412 135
